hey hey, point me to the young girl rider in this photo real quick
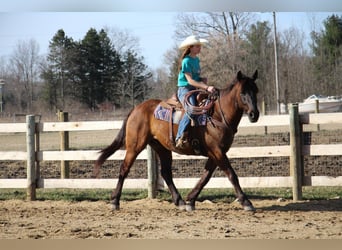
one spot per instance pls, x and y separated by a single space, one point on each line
189 78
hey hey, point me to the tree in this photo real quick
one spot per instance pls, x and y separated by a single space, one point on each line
222 58
122 40
134 88
25 65
3 70
96 69
226 24
327 52
90 70
259 55
294 63
171 59
50 87
111 67
162 88
224 30
56 72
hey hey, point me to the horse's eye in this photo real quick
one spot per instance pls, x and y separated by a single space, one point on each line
243 98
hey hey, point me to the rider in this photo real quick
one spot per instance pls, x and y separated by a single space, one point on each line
189 79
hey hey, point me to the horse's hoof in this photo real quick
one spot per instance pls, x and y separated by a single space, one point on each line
186 207
249 208
189 208
182 207
115 207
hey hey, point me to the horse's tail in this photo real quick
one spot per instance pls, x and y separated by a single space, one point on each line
118 143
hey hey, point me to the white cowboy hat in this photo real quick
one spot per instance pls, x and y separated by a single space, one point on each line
192 40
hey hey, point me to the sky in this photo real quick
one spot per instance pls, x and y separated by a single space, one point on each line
155 30
153 22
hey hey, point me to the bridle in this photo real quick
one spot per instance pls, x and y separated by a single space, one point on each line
244 100
225 122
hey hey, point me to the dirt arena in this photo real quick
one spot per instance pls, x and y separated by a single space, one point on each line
159 219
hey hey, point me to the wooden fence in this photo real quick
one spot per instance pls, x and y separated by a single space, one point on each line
295 151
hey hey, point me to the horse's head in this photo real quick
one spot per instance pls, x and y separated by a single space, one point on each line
247 96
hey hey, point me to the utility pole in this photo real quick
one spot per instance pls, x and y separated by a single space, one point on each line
276 62
2 83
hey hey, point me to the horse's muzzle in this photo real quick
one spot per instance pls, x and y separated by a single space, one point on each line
253 115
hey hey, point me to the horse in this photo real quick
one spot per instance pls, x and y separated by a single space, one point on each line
141 128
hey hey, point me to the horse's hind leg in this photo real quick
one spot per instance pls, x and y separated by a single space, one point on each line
165 157
124 170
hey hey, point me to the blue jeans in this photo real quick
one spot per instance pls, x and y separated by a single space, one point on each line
184 123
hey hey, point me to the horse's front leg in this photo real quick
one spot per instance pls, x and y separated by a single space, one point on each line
193 195
241 196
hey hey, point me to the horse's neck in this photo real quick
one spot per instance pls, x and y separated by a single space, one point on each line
230 110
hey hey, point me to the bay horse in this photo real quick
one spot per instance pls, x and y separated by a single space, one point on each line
141 128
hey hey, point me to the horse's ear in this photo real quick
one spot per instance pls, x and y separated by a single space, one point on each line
255 76
239 75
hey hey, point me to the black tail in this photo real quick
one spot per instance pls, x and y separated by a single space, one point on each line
118 143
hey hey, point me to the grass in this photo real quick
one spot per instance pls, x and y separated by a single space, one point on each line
215 195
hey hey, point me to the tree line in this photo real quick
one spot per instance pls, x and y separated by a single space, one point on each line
237 42
104 69
88 72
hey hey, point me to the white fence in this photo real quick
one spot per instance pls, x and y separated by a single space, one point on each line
295 151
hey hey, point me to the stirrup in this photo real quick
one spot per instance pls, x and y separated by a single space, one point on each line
182 142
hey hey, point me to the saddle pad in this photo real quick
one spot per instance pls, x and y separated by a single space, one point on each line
162 113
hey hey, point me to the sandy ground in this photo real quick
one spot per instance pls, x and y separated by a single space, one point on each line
159 219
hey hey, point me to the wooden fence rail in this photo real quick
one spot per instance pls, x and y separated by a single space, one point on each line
296 150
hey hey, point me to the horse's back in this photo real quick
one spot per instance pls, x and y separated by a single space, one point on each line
145 108
142 114
143 125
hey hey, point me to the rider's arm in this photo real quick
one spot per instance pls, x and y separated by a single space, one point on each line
196 84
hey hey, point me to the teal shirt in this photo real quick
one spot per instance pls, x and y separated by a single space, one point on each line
189 65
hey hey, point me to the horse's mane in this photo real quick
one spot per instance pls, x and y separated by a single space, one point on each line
230 85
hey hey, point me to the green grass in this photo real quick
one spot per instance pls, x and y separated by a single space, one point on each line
215 195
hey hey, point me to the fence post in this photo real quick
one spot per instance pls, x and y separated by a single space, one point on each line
296 164
37 147
317 111
263 111
152 173
31 158
64 144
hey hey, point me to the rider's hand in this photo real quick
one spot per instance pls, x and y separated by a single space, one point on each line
210 89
